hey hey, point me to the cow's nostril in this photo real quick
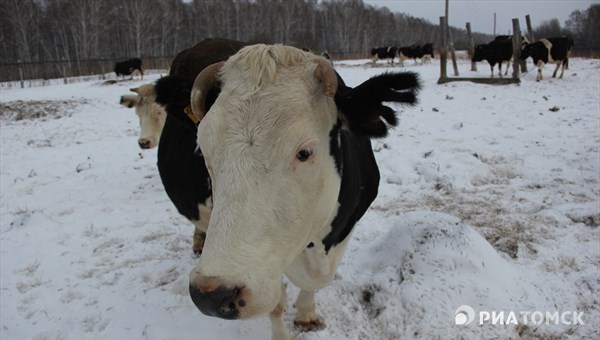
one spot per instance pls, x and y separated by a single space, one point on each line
219 302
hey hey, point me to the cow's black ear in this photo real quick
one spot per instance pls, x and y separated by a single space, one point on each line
173 92
363 107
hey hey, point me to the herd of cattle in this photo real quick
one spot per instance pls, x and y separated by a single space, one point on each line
267 152
556 50
425 53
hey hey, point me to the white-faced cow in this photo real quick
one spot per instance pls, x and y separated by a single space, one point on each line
151 115
388 52
551 50
129 67
498 51
287 146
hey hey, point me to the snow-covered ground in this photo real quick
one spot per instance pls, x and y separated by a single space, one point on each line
490 198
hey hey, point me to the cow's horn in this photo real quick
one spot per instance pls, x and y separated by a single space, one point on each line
204 81
325 73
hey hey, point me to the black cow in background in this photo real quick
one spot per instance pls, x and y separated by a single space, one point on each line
495 52
388 52
428 53
555 50
128 67
410 52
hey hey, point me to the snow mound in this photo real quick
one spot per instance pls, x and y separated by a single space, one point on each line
409 282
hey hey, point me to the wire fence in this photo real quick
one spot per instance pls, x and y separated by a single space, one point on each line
64 69
28 74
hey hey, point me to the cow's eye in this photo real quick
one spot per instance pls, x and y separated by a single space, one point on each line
304 154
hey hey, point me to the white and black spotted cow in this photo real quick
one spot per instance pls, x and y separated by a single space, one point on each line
551 50
287 146
383 53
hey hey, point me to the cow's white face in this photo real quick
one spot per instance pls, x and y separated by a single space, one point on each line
151 115
266 144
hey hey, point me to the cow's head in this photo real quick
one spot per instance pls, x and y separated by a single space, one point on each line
480 52
271 141
526 50
151 115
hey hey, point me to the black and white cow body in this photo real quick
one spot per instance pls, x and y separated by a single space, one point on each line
551 50
129 67
289 161
383 53
182 171
498 51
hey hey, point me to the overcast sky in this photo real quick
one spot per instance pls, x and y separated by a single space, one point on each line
480 13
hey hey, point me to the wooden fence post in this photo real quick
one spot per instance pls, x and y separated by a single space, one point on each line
516 48
452 53
529 29
20 73
443 51
471 47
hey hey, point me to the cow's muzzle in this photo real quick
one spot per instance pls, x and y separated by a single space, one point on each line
145 143
221 302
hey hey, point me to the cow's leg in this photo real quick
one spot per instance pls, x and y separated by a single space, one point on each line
556 69
565 64
492 71
500 70
540 66
307 319
507 66
278 329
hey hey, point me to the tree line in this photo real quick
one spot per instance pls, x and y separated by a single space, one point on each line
67 32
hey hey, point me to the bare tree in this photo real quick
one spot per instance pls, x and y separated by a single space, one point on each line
584 25
142 17
548 28
25 36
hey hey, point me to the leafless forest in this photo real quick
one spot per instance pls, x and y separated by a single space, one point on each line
57 38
